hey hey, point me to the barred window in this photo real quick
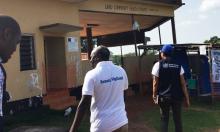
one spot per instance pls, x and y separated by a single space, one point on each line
27 53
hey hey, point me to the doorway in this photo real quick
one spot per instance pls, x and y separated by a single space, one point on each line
55 63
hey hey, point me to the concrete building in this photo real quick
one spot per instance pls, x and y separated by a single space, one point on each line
48 60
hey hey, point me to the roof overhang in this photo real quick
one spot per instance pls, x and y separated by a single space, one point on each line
74 1
124 38
174 3
112 23
118 16
112 20
186 46
60 28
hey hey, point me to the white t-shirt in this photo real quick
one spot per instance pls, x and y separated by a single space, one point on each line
155 70
106 83
1 90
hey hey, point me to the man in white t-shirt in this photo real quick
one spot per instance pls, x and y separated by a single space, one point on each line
103 88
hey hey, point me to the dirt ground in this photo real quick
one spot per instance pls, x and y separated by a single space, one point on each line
136 106
38 129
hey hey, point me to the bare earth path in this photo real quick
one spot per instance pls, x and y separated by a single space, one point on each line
136 106
38 129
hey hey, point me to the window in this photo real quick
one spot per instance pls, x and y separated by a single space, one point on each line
27 53
84 44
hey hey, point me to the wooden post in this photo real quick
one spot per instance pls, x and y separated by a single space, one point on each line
134 33
159 35
122 61
173 30
89 41
211 82
198 61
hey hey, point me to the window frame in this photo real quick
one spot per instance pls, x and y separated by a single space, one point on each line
33 53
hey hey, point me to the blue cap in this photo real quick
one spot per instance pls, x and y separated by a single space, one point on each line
167 49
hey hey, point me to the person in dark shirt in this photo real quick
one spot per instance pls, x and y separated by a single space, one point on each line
169 88
10 35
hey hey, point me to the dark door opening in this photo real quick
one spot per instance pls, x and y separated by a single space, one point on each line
55 63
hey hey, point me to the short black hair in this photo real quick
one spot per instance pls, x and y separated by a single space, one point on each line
167 54
9 22
103 53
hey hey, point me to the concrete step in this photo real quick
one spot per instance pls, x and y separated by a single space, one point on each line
54 95
59 99
51 100
63 105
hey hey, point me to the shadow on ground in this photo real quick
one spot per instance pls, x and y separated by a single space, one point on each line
38 129
136 106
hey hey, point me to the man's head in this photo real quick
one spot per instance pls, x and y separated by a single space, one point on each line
100 53
10 35
166 51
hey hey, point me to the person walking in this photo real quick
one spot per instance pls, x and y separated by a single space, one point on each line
103 88
10 35
169 88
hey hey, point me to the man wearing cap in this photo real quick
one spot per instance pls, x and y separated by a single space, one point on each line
103 88
10 35
169 88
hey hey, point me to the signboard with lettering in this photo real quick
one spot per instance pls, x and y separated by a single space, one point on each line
215 55
72 44
127 8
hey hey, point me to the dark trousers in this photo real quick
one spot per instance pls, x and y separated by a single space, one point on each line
176 106
1 123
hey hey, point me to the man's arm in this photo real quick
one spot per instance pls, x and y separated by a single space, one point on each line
80 112
183 83
155 87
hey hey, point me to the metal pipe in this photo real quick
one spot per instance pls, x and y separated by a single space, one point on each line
89 41
159 35
122 62
173 30
134 33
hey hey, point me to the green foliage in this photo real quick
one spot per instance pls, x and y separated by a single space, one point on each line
199 117
129 54
152 52
116 59
213 40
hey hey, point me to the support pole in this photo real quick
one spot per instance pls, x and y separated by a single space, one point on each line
159 35
173 30
211 77
89 41
122 61
134 33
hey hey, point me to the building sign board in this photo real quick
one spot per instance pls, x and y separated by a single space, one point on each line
127 8
215 55
72 44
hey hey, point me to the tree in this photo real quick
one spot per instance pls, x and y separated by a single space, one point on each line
116 59
130 54
213 40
